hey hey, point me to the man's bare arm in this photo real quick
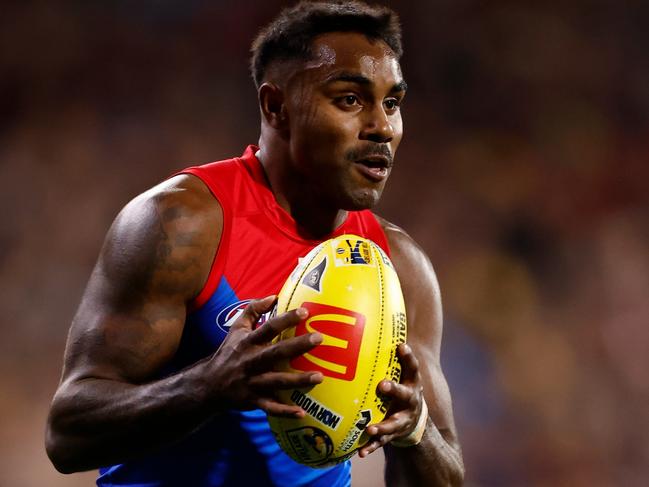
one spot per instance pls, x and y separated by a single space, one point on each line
437 459
111 404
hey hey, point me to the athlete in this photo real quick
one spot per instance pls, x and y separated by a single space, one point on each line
169 366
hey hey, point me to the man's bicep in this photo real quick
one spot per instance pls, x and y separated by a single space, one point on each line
107 343
130 320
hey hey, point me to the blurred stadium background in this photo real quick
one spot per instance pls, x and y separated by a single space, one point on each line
523 174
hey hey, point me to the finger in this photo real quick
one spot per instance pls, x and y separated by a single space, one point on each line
370 447
275 408
409 363
401 392
285 380
253 312
395 424
283 350
277 325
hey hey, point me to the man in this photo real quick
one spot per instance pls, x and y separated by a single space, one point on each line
163 383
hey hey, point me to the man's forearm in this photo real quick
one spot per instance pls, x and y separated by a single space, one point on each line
433 462
99 422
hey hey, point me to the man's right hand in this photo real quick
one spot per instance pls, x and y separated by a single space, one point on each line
244 365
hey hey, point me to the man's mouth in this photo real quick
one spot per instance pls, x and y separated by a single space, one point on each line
374 167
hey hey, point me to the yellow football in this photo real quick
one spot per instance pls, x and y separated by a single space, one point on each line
354 299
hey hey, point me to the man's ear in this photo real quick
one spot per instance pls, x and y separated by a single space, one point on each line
273 108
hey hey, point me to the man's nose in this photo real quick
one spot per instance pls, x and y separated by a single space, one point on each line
377 127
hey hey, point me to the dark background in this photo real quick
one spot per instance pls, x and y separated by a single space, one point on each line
523 174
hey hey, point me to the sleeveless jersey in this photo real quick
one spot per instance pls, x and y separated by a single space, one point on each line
259 247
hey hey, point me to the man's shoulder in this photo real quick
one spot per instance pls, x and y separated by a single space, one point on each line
397 237
406 254
180 209
171 231
418 282
182 196
225 168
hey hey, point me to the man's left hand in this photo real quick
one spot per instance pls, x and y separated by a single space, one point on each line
406 404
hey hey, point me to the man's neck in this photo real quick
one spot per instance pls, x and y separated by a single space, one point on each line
314 219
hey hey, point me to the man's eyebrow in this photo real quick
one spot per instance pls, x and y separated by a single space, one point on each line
399 87
348 77
359 79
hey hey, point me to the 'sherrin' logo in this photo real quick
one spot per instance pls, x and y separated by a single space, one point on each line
314 276
342 330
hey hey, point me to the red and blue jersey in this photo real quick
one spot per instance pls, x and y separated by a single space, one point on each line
260 245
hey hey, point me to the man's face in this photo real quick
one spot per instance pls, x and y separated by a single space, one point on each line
345 120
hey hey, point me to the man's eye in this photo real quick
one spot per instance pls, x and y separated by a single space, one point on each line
350 100
391 103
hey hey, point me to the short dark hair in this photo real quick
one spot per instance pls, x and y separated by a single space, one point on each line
290 35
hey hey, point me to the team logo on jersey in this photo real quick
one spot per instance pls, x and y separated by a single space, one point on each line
342 330
352 252
227 316
314 276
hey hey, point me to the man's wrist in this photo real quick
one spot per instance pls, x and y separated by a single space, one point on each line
415 436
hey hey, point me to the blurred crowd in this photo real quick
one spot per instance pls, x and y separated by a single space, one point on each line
523 174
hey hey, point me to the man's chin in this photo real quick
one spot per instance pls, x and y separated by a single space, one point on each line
364 199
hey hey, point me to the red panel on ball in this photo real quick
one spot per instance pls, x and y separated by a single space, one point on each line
340 326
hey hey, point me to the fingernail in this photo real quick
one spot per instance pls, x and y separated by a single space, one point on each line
385 386
301 313
315 338
316 378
